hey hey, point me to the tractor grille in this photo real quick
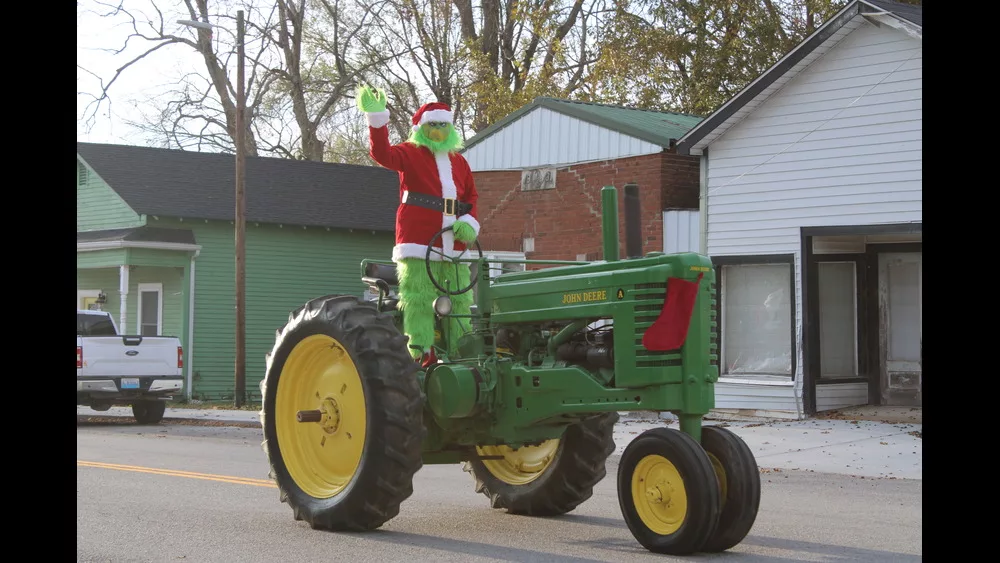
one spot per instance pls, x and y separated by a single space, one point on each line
649 298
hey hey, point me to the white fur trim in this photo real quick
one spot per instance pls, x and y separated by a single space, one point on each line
471 221
448 191
435 115
378 119
414 250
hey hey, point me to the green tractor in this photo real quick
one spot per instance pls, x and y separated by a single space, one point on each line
527 397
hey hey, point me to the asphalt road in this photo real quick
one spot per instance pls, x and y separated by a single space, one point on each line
194 493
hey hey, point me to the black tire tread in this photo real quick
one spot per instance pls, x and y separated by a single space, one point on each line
568 481
739 509
700 484
149 411
394 402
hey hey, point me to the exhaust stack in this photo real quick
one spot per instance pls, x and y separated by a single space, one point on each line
633 222
609 222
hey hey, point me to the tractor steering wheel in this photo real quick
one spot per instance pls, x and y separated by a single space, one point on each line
430 273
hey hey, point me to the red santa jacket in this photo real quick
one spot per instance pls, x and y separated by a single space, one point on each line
443 175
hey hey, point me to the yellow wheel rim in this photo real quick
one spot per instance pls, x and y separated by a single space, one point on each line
658 494
520 466
720 475
320 378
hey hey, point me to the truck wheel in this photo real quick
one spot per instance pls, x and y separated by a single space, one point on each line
668 492
342 415
148 412
551 478
739 481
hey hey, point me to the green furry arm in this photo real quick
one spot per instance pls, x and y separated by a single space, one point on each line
370 100
464 232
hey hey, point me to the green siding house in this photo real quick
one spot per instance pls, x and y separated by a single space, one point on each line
156 247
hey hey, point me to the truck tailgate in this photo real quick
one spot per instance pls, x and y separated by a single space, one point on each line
129 355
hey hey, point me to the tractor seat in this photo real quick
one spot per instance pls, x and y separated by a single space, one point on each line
384 272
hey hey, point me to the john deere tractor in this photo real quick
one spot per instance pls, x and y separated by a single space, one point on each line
526 395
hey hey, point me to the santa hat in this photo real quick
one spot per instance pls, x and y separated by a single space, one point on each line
431 112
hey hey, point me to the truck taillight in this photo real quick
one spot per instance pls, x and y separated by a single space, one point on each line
180 357
79 357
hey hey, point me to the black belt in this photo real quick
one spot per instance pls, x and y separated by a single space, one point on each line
448 206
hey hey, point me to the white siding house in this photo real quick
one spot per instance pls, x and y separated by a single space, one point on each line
811 191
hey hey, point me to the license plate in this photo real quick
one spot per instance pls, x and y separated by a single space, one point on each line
130 383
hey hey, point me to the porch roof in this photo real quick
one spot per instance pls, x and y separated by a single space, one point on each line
138 234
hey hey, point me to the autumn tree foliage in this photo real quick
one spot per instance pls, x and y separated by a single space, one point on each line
486 58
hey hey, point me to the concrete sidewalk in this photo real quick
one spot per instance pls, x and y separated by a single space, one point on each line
858 443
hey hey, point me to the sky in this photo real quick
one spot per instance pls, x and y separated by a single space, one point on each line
129 94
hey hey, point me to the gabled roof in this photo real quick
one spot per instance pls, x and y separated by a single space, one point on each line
905 17
909 12
657 127
196 185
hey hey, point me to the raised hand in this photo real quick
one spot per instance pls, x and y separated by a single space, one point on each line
370 100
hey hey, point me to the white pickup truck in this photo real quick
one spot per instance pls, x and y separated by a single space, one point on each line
114 369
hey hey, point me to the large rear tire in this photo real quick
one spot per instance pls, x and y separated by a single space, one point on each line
549 479
342 415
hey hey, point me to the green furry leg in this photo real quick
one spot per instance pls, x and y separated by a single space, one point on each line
416 301
460 304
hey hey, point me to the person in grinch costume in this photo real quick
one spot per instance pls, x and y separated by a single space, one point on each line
436 190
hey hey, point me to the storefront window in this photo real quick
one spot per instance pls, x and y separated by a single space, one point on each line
756 319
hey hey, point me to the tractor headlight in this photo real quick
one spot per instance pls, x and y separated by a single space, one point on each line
442 306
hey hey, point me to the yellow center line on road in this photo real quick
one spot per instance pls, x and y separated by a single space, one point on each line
178 473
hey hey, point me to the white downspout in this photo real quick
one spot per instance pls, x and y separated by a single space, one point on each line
703 202
123 293
190 343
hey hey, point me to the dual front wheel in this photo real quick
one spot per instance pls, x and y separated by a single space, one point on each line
679 497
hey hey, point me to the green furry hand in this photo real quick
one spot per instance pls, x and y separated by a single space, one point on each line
370 100
464 232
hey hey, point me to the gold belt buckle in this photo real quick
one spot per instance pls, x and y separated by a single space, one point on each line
449 210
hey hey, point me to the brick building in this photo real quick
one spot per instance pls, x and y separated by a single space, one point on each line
540 170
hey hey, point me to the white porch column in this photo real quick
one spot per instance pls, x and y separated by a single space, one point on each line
123 292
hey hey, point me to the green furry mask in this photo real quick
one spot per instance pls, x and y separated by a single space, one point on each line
436 137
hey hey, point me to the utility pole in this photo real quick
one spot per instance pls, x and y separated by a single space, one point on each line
239 391
240 383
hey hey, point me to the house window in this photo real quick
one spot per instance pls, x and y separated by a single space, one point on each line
498 268
838 336
756 305
150 322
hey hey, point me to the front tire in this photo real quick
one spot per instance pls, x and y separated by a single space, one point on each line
149 412
668 492
342 415
549 479
739 479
